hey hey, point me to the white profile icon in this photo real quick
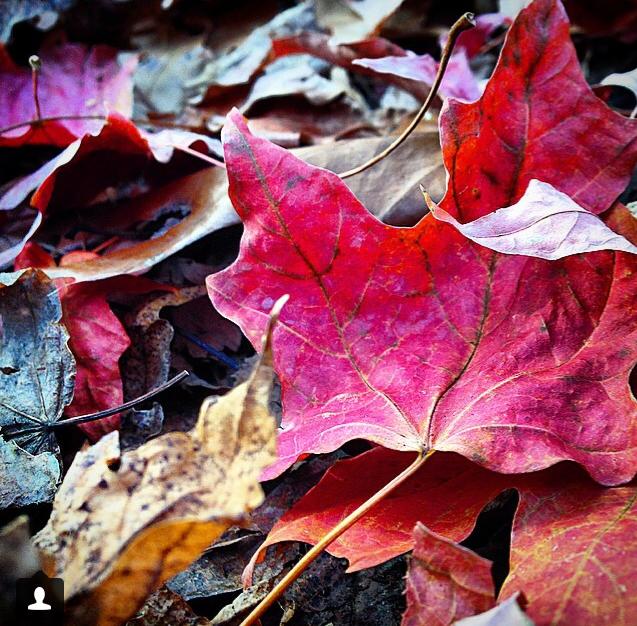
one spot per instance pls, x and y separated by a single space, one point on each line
39 605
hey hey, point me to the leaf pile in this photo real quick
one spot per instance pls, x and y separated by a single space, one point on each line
462 314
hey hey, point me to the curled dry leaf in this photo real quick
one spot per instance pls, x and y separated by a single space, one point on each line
204 193
123 523
545 223
628 80
350 22
389 190
446 582
73 80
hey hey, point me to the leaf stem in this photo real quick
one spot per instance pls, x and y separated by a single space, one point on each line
464 23
331 536
36 65
91 417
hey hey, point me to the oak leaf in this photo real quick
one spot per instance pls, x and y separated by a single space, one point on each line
123 523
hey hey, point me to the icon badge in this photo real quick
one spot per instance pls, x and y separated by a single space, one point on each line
40 601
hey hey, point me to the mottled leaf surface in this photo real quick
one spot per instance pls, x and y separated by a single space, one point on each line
573 550
37 369
125 522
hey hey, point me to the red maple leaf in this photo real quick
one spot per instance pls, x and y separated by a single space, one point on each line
418 338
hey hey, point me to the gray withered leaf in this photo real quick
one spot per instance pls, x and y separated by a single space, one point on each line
37 369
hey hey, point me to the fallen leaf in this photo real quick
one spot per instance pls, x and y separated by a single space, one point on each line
298 75
37 367
544 223
123 523
318 44
458 80
572 551
403 336
508 613
350 22
166 607
25 478
446 582
535 106
97 338
417 339
238 66
389 190
74 80
446 495
118 136
473 40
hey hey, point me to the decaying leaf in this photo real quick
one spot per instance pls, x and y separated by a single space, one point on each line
354 21
37 369
123 523
203 193
446 582
544 223
167 607
26 478
389 190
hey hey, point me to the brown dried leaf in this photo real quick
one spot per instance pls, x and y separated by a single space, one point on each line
123 523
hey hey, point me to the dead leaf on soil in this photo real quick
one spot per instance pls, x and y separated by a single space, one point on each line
123 523
37 368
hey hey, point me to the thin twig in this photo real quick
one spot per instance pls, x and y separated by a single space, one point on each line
464 23
332 535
